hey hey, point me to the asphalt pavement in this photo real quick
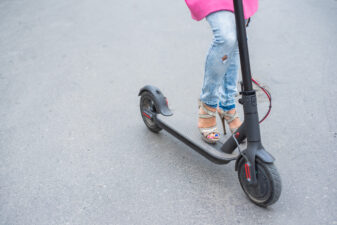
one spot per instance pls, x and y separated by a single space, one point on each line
74 149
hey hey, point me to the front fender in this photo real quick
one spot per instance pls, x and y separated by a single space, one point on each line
261 154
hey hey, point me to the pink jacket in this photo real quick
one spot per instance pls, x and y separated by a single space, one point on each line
201 8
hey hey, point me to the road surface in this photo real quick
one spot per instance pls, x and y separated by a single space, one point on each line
74 150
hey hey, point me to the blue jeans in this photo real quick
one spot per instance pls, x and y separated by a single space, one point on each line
222 62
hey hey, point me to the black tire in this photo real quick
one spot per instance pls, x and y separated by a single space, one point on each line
147 103
268 189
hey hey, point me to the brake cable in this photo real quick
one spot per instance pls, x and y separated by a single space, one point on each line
268 96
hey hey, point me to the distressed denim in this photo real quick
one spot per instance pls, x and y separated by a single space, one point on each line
222 62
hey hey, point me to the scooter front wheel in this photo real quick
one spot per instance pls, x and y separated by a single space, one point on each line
268 188
148 105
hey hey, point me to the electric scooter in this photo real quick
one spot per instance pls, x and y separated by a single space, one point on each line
257 173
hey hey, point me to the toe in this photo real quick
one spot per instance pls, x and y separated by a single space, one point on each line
213 136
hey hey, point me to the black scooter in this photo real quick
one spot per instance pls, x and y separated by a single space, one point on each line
256 171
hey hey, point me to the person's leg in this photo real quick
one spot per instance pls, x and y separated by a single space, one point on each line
218 60
228 90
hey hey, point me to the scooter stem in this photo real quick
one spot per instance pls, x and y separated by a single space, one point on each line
251 127
243 46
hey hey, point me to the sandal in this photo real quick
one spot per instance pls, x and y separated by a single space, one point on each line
224 115
206 133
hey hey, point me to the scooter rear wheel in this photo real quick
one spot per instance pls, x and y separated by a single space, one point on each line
148 104
268 188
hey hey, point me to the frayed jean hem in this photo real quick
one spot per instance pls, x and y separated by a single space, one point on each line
227 108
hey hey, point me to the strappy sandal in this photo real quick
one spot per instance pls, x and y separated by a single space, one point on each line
206 133
224 115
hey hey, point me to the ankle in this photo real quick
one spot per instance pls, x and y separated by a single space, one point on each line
213 109
231 111
206 122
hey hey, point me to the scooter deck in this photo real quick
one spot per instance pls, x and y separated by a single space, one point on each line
183 128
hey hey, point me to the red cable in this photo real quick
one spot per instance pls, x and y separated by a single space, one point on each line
268 96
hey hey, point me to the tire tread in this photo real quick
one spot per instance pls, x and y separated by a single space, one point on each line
276 183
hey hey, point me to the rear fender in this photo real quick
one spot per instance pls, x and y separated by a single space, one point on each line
159 99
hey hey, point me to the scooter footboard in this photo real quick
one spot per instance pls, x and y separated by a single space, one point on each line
179 127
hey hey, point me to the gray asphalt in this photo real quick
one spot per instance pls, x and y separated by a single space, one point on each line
73 147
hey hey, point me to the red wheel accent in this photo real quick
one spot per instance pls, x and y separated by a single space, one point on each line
146 115
247 171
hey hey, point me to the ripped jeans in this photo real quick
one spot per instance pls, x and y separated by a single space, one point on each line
222 62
